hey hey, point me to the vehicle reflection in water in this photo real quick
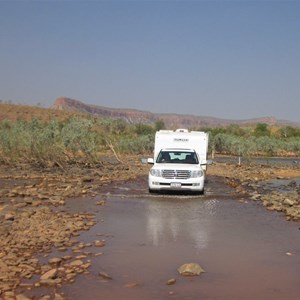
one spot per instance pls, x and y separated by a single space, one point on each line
177 219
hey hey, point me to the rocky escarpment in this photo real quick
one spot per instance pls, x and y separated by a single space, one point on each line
170 120
131 116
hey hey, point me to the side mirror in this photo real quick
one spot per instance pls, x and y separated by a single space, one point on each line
147 161
150 161
206 162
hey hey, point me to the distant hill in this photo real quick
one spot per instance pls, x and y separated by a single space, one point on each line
170 120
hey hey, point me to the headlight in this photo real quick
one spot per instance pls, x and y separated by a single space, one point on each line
197 173
155 172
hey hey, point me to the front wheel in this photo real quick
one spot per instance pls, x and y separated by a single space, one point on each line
200 192
152 191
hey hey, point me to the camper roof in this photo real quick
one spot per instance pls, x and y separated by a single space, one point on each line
178 149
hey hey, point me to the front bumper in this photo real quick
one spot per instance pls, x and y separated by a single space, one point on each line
191 184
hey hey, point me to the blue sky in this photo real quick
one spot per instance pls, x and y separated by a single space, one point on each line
226 59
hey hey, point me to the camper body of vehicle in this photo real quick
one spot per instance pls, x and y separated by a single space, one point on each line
180 161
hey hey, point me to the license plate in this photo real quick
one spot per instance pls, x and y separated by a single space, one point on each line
175 184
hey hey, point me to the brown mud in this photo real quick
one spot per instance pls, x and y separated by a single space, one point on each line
94 232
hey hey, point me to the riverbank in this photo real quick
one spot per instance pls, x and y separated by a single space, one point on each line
255 182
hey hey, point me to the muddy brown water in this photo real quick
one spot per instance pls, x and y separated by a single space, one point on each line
247 252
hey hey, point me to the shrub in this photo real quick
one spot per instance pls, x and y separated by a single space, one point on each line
137 145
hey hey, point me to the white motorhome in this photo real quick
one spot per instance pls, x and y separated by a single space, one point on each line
180 161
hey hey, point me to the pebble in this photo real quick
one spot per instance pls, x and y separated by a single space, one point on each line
171 281
131 285
99 243
105 275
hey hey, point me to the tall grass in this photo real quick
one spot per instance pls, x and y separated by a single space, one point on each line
77 138
254 146
47 142
71 140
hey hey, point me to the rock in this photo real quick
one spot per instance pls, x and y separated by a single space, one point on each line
105 275
49 275
87 179
22 297
99 243
171 281
55 261
9 294
58 297
62 249
50 282
292 183
86 266
190 269
76 263
9 217
131 285
101 202
46 297
288 202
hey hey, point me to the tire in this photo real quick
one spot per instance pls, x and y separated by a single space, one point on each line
201 192
151 191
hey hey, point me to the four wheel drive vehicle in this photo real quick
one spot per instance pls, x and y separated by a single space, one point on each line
180 161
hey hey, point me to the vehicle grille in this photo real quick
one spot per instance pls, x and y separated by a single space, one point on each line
176 174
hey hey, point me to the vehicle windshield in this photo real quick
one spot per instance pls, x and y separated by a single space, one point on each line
177 157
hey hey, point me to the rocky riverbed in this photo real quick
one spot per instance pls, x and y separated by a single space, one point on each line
255 181
32 225
33 222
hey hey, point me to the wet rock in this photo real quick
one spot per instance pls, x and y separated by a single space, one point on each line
101 202
55 261
50 282
171 281
131 285
255 196
76 263
99 243
51 274
190 269
62 249
292 183
105 275
56 201
58 297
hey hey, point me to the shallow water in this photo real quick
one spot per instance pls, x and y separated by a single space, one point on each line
260 160
246 251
